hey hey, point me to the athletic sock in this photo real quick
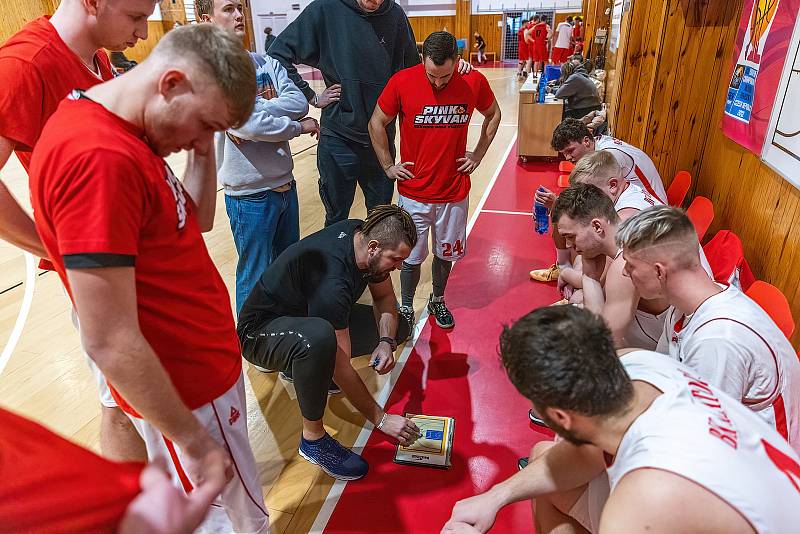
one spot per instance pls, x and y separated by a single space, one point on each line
440 274
563 258
409 280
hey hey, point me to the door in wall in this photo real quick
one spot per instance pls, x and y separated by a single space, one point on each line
276 21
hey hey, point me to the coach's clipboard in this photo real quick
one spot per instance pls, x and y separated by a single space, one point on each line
434 446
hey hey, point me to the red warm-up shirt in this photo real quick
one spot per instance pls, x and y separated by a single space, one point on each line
433 130
50 485
102 198
38 70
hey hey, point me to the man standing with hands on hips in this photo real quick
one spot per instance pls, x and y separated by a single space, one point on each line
435 104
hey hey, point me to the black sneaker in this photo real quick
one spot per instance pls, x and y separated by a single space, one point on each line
333 389
536 420
437 308
407 313
339 462
522 463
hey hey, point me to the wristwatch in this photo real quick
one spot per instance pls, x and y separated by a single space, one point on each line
391 341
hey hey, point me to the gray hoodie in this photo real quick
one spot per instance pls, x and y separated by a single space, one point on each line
256 157
579 91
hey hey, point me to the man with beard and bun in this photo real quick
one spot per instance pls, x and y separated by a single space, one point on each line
647 444
297 321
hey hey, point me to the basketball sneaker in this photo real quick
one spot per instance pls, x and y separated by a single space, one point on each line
333 389
437 308
546 275
536 420
339 462
407 312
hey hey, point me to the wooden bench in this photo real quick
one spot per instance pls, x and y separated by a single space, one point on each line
473 56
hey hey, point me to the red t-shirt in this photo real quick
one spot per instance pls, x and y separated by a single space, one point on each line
433 130
577 30
540 34
38 70
51 485
102 198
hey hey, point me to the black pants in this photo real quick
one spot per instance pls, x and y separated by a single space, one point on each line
341 165
307 347
579 113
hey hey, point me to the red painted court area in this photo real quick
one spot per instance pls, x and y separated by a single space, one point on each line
459 374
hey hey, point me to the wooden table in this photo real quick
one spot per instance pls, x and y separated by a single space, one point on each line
536 123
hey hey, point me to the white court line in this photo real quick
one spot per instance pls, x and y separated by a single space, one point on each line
503 212
336 491
16 332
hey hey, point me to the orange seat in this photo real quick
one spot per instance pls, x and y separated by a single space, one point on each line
774 302
676 193
701 213
566 166
563 180
725 255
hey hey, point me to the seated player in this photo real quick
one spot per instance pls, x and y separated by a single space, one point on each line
433 173
52 485
602 170
716 330
586 218
296 320
647 444
573 139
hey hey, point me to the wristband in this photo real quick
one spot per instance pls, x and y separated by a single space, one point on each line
383 420
391 341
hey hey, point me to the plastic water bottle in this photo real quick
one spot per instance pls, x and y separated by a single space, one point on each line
540 215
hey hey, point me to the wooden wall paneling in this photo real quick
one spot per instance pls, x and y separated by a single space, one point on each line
16 14
639 62
487 26
661 113
155 31
463 22
687 97
615 72
424 26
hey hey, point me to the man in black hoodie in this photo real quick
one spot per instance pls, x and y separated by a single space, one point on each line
357 45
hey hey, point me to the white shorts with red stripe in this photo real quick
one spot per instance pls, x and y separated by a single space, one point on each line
447 223
225 418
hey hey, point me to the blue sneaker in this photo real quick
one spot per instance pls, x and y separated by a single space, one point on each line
339 462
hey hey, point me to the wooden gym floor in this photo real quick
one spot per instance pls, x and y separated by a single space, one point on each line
47 379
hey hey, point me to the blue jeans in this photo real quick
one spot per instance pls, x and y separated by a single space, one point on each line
263 225
342 164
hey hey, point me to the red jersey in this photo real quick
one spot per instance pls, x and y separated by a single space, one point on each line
38 70
102 198
433 130
539 33
577 30
51 485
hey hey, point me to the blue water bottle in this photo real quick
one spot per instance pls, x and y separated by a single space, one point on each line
540 215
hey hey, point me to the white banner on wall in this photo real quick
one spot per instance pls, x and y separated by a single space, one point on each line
782 142
616 25
483 6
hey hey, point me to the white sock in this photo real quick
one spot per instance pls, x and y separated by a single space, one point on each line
563 258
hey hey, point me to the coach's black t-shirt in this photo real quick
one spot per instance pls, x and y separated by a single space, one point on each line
316 277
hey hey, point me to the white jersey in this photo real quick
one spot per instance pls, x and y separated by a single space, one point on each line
563 35
637 167
734 345
698 432
637 198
